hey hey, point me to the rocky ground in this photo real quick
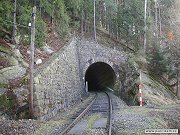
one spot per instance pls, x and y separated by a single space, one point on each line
51 127
98 131
14 70
126 120
37 127
134 120
11 127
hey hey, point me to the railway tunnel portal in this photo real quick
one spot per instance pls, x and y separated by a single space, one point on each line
99 76
60 82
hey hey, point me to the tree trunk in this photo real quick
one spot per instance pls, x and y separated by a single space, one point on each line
85 19
156 20
52 15
95 38
145 26
82 23
14 33
178 91
160 25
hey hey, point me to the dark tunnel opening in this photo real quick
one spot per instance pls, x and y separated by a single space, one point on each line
100 76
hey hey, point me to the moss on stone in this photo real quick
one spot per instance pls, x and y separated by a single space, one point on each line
92 119
13 61
6 101
3 101
5 50
3 85
24 80
3 80
13 72
37 79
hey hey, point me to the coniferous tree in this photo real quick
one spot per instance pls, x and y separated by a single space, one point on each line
157 62
6 8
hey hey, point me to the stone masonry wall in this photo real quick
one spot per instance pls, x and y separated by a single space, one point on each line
60 82
57 84
91 52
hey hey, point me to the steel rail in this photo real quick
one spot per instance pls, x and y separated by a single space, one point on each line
110 114
78 118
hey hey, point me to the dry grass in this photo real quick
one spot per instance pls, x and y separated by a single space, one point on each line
155 93
48 126
62 118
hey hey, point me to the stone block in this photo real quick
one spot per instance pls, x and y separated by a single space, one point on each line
17 53
3 80
13 72
36 95
3 90
45 110
25 64
37 111
38 61
46 102
38 87
13 61
37 79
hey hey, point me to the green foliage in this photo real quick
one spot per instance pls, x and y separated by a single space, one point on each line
23 14
130 20
48 5
3 85
166 11
40 32
24 17
5 16
3 101
158 64
167 3
6 102
56 9
88 7
73 6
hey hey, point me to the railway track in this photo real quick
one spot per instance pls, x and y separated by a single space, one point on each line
101 105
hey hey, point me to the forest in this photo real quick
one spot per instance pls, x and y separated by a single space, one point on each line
150 28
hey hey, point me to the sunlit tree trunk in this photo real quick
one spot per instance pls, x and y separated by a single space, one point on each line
156 20
145 26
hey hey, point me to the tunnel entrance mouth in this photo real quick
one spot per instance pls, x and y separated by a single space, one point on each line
99 76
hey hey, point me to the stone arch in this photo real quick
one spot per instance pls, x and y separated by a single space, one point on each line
95 60
106 65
